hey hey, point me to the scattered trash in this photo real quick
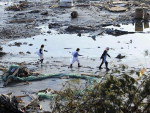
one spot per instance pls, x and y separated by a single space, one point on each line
28 52
23 74
141 13
18 7
1 48
117 9
120 56
35 11
30 44
44 13
17 44
53 25
74 28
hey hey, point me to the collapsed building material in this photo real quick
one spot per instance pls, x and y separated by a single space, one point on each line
117 9
13 72
139 26
18 7
120 56
118 6
141 13
21 74
66 3
117 32
146 15
2 54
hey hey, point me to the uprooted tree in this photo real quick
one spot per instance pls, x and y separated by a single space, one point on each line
114 95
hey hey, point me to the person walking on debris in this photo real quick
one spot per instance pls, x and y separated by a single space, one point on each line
75 58
40 53
103 57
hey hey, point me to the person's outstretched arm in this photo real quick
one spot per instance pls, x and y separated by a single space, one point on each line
108 55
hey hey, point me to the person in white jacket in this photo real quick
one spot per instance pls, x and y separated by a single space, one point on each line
40 53
75 58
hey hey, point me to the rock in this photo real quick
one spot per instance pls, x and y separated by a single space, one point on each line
48 32
45 39
44 13
28 52
74 14
30 44
117 9
131 41
21 53
94 37
79 34
25 43
53 25
17 44
120 56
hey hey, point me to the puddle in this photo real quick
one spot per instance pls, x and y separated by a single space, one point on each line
57 44
138 26
53 83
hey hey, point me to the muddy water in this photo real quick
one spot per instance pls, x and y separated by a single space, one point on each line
138 26
62 45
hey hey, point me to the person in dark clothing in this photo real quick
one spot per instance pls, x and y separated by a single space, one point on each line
103 57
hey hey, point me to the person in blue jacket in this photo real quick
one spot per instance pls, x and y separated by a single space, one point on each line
103 57
75 58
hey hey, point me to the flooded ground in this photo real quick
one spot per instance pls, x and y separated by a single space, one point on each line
61 46
27 38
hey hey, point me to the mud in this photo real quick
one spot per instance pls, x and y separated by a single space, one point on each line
23 23
44 22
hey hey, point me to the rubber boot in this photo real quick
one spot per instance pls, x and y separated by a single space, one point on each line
100 67
79 65
41 61
106 64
